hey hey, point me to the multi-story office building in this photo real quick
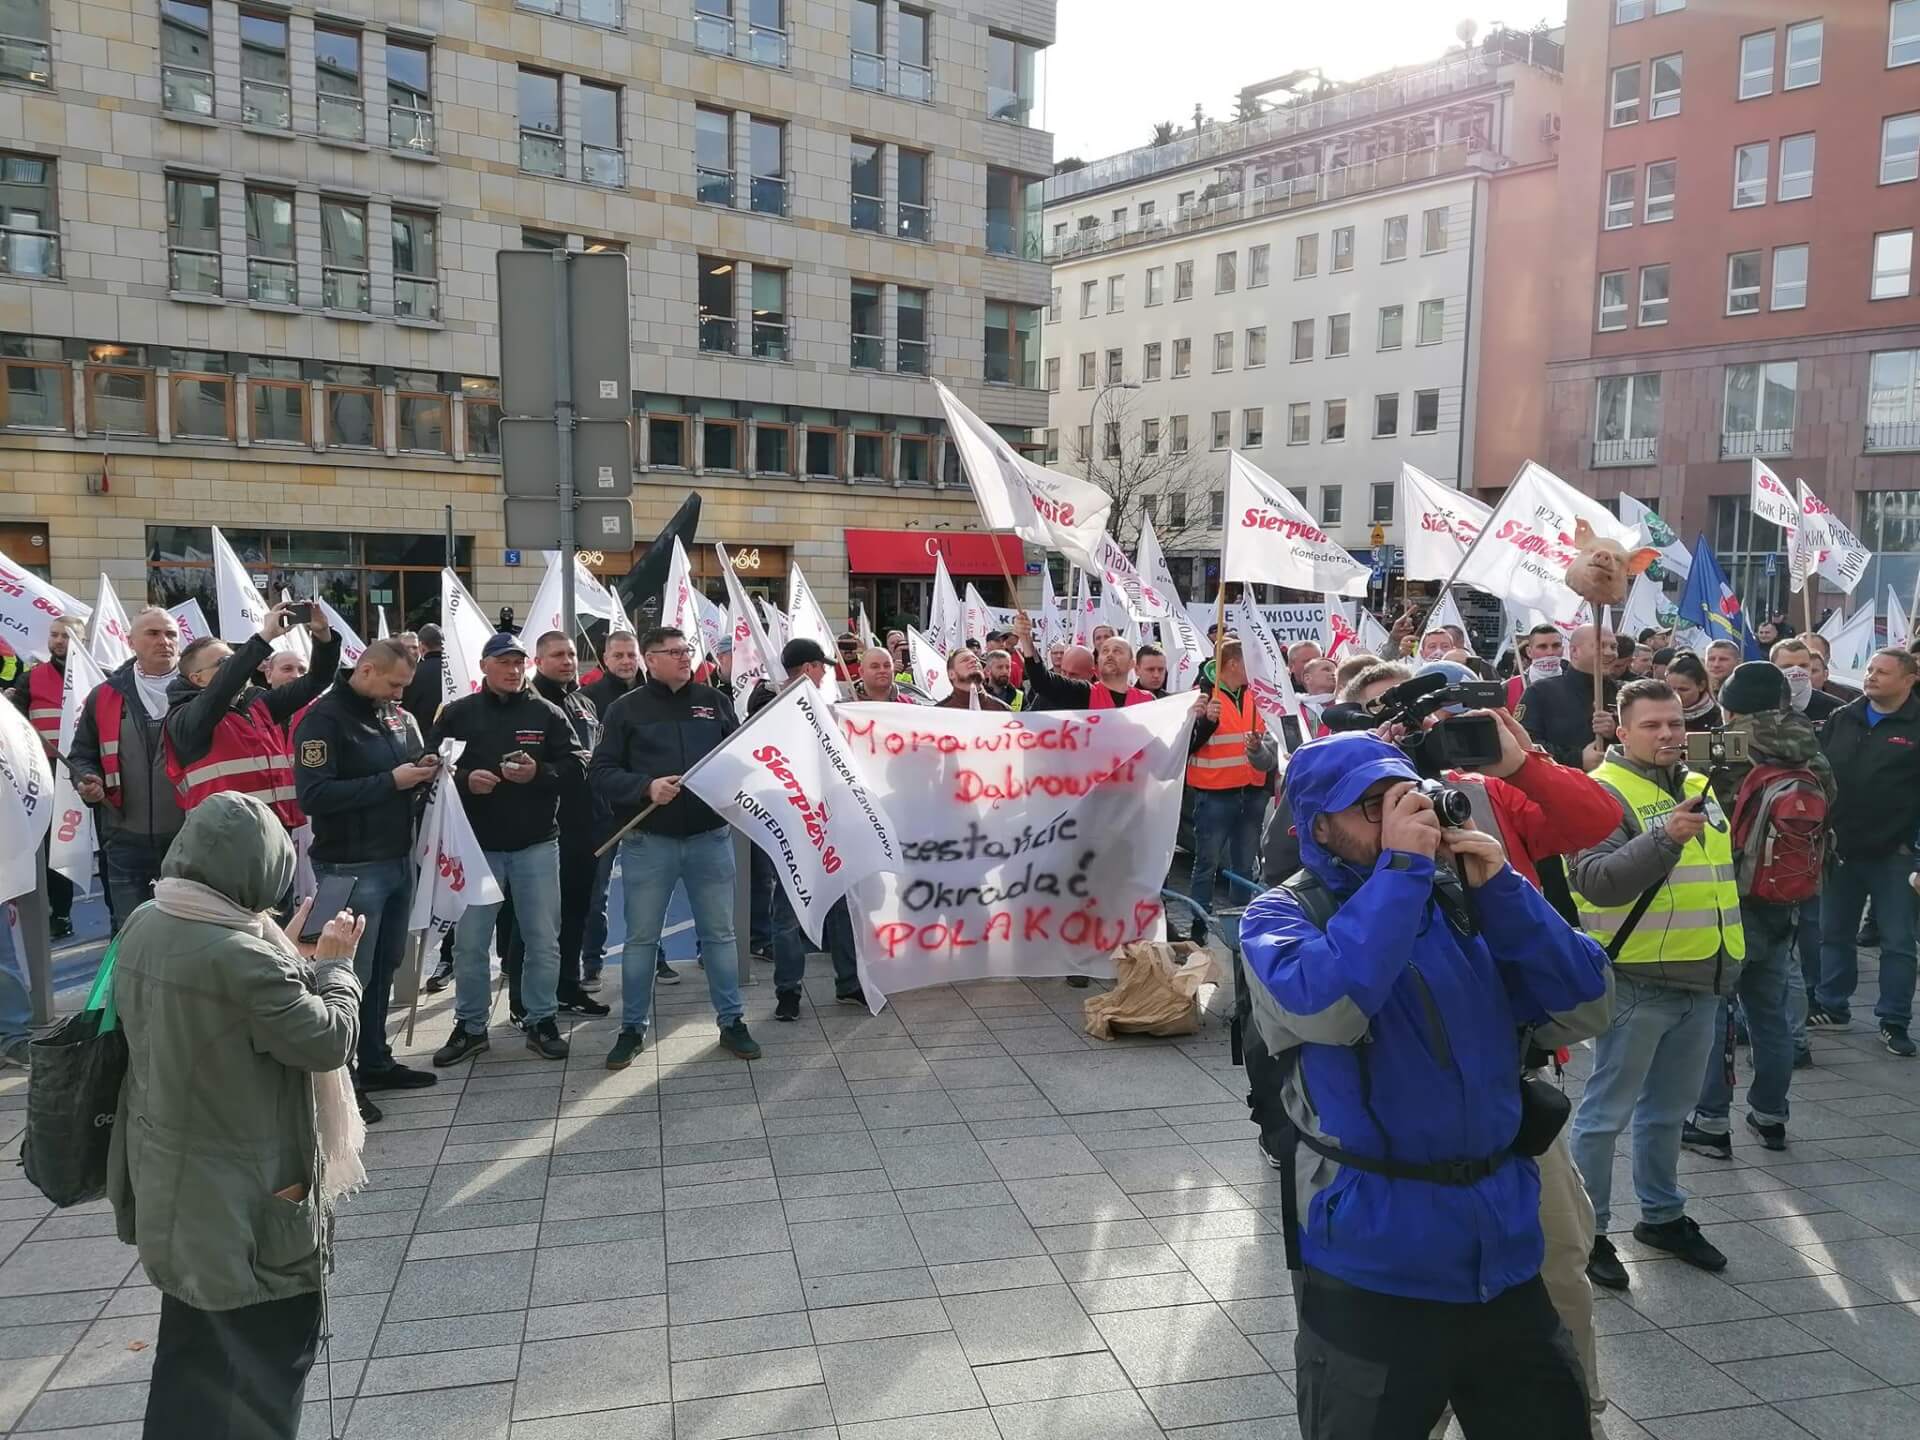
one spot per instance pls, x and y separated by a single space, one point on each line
247 277
1733 268
1303 285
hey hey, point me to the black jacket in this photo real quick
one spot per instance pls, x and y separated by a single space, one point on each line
653 731
149 805
583 815
1878 771
195 713
1822 707
344 753
607 689
511 816
1057 692
1558 713
422 699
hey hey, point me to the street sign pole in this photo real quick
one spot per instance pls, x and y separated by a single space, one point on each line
563 429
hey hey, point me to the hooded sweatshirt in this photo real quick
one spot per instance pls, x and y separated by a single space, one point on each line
1435 1018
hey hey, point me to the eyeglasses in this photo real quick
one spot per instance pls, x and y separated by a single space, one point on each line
678 652
1372 808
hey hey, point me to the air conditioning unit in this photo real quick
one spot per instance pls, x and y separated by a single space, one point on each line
1550 128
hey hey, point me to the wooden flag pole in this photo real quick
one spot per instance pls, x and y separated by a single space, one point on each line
1806 600
1013 591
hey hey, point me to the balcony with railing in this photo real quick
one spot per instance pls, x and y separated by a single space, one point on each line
415 299
193 272
713 187
916 82
767 46
767 194
869 352
717 333
342 117
272 282
603 165
1635 450
713 33
345 288
869 70
32 253
266 104
186 92
769 338
542 152
911 356
1743 444
916 221
1279 197
410 130
1887 436
25 60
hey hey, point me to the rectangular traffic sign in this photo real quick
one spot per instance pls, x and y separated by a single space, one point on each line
602 458
597 524
529 283
602 352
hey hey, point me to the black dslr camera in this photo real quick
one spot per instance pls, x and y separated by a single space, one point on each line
1459 742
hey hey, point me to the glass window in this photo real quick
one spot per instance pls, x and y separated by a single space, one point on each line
1760 407
1177 501
1306 256
353 407
1089 294
1796 168
1392 319
1156 284
336 61
1300 423
1789 277
482 406
1893 400
202 395
276 402
767 149
1331 498
1256 346
713 25
542 151
869 208
193 235
1899 149
767 31
1222 429
1005 191
186 57
1339 335
119 390
409 96
1183 280
1223 351
713 155
1011 90
1149 437
916 209
266 76
271 274
1620 199
772 448
910 331
1756 65
1182 359
1382 494
1012 343
1053 374
1258 265
719 443
1110 440
869 62
603 150
1653 295
1426 411
1386 415
416 265
667 441
343 255
1623 89
1342 249
1625 11
1892 265
1626 425
422 414
1087 370
1751 166
717 329
1116 366
1150 360
916 54
1225 266
1663 95
1393 238
1303 340
1333 426
1660 178
1053 305
1903 33
770 313
1433 319
1743 283
1433 230
1805 44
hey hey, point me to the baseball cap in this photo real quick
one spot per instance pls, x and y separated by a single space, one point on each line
802 652
503 643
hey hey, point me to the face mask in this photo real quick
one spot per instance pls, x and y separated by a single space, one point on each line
1545 668
1799 686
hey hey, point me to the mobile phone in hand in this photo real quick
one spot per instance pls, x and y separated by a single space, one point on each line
333 896
300 613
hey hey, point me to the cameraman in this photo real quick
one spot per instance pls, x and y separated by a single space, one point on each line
1393 992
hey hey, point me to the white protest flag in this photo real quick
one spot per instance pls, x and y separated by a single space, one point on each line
450 868
1047 630
1043 507
1899 626
805 619
26 801
676 601
1159 596
544 613
775 620
192 621
1270 539
975 616
1339 636
1083 612
238 603
1439 524
1447 612
714 625
787 783
754 656
352 647
380 623
1527 543
1644 603
1187 649
1038 842
109 633
1268 677
593 599
28 608
1114 611
1837 554
946 617
929 666
1770 498
1117 573
1853 645
1371 635
863 627
1675 559
590 599
464 632
71 851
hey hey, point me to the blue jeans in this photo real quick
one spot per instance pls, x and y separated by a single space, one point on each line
383 892
1226 827
1646 1068
1850 884
531 879
650 866
16 1004
129 865
593 942
791 947
1765 991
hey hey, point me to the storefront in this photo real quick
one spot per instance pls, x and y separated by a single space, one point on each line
762 570
891 571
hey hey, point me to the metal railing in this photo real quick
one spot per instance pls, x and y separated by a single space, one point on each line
767 194
916 81
26 60
602 12
1893 436
342 117
1739 444
1642 450
869 352
410 129
713 187
1277 197
869 71
911 357
193 272
769 339
603 165
266 104
717 334
186 92
345 289
30 252
767 46
869 213
542 153
415 299
916 221
713 33
272 282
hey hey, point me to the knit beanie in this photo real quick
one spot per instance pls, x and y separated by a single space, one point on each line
1753 689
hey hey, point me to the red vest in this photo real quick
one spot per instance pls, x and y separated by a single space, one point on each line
250 755
1102 698
109 709
44 686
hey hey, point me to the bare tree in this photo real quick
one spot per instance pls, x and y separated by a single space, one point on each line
1130 455
1163 133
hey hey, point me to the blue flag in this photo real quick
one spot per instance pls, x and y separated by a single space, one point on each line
1709 605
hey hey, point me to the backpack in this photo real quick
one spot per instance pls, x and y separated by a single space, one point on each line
1779 834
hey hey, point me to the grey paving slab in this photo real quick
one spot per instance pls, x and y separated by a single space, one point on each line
1116 1413
1178 1343
586 1372
477 1412
1648 1374
1021 1324
1872 1415
891 1378
993 1232
732 1288
1148 1076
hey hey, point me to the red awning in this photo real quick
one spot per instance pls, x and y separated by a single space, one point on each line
911 552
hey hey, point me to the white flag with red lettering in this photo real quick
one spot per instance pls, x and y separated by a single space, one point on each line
1439 523
71 851
1043 507
1267 674
109 634
1083 613
805 619
1771 500
946 617
352 647
1824 544
26 801
28 608
676 602
451 868
976 616
786 783
192 621
1271 540
929 665
1527 544
755 657
464 632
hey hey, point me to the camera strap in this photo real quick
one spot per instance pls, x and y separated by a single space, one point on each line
1625 932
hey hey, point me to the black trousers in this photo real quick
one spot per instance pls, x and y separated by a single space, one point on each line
1381 1367
232 1374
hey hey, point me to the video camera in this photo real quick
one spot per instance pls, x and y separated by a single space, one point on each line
1458 742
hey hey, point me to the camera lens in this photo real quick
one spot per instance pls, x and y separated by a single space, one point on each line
1450 805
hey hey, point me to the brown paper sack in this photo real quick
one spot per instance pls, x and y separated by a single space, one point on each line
1156 991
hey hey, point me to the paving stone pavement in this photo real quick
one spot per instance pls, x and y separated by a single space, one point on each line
957 1220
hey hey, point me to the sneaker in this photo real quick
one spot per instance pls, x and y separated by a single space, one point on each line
664 973
60 929
582 1004
1774 1137
1706 1142
1603 1265
855 998
1819 1017
441 978
736 1041
397 1077
370 1113
630 1044
786 1005
765 957
15 1055
1267 1154
1803 1059
1869 936
1682 1238
590 980
462 1043
544 1040
1078 982
1897 1041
